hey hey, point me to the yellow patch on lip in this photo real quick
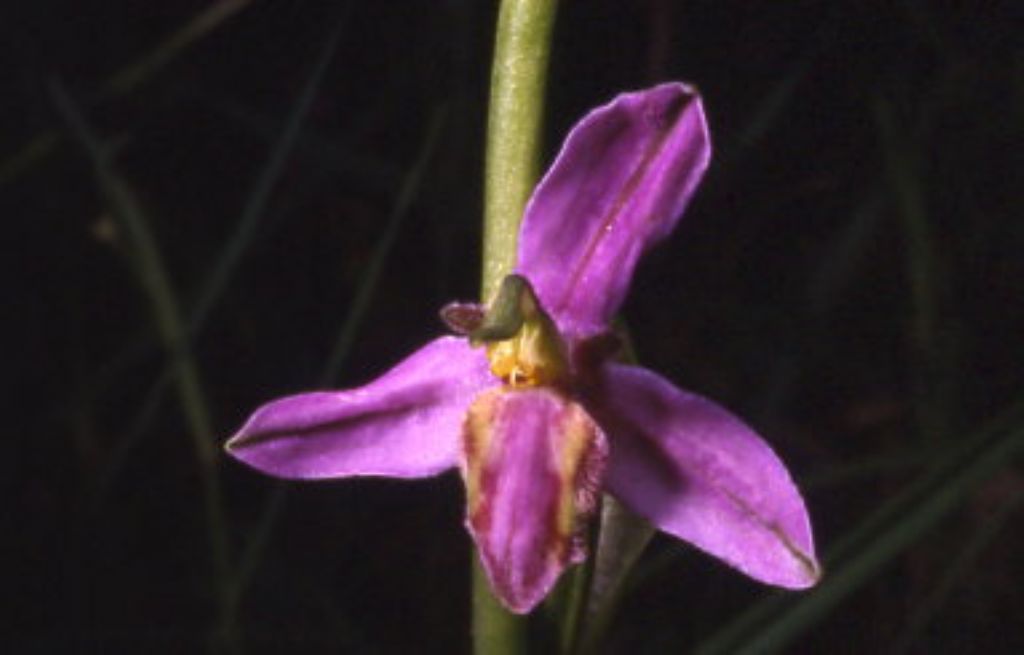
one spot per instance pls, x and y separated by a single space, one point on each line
478 431
580 467
531 455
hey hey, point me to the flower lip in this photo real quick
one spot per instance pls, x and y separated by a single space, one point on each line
533 463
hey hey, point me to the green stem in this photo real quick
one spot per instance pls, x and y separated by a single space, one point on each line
495 630
621 540
518 76
616 544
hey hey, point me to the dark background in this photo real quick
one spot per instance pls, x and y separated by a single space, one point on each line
849 279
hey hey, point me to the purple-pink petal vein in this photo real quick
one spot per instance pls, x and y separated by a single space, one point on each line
404 424
619 185
699 473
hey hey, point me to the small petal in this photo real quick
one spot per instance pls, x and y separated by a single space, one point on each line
533 466
462 318
697 472
404 424
619 185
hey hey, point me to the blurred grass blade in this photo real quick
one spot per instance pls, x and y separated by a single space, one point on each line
777 622
368 280
839 261
126 79
147 412
773 104
148 265
363 169
622 539
146 66
244 230
765 115
957 569
903 160
901 461
260 536
256 202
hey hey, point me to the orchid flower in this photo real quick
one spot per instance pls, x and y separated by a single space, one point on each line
529 402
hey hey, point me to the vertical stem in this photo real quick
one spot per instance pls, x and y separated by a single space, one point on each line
495 630
518 76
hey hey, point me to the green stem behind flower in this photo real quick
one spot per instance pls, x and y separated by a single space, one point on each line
518 76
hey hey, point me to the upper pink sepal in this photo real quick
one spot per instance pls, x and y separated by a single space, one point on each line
404 424
698 472
620 183
533 465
